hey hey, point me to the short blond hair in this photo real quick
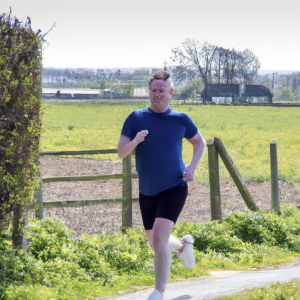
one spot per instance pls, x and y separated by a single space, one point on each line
162 75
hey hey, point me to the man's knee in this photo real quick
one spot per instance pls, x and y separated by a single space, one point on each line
159 241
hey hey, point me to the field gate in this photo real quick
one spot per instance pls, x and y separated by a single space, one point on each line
126 199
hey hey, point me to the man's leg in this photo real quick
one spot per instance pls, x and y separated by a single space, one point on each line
162 229
149 235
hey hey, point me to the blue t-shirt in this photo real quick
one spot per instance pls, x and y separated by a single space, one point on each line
159 157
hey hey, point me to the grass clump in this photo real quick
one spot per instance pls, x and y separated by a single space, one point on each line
288 290
57 267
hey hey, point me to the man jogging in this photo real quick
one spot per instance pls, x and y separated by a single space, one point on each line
156 134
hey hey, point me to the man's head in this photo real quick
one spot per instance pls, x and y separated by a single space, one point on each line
162 75
160 91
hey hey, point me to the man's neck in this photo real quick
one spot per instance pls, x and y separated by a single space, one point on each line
159 111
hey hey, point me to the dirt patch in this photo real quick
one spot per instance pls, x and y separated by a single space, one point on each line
97 219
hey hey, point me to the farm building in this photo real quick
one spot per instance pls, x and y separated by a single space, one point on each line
239 92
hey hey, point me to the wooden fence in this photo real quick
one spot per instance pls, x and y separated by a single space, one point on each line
215 149
126 199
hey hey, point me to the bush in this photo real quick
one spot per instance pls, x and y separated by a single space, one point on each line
190 90
258 227
58 266
48 238
214 236
241 228
291 217
20 118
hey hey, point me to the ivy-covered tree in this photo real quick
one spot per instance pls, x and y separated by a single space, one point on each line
20 118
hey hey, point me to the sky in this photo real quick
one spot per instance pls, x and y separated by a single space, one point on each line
142 33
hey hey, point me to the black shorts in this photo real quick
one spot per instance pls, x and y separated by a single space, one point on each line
167 204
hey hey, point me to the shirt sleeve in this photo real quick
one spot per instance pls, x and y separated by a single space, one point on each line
190 128
127 129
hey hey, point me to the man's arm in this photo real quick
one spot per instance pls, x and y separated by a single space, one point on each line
125 146
198 149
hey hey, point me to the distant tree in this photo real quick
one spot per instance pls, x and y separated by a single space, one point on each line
297 94
213 64
249 65
195 58
181 75
231 62
285 94
102 86
294 86
265 79
219 58
140 74
192 88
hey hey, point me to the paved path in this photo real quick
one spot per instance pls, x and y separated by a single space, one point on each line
211 287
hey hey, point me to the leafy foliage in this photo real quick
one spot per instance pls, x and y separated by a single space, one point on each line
190 90
258 227
20 107
285 94
56 266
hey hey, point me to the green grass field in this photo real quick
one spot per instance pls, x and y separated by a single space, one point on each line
245 131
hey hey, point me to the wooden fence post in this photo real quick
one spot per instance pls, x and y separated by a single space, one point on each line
235 174
275 203
39 212
25 224
214 181
127 193
41 196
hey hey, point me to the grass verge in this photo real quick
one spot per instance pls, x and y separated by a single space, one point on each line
278 291
57 267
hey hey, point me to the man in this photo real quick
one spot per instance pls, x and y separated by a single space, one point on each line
156 133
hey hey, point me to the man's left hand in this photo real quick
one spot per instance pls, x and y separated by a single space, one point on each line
188 175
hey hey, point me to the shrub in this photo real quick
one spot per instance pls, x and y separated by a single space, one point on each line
291 217
62 268
48 238
211 236
20 117
258 227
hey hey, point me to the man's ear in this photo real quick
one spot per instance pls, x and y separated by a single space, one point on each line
171 92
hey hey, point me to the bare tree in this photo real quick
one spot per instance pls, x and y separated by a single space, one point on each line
195 58
219 58
226 62
249 66
210 63
182 75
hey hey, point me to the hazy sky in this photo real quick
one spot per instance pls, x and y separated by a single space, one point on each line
141 33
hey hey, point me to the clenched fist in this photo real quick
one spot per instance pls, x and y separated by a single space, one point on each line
140 136
188 174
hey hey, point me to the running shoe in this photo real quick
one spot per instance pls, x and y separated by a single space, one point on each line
184 250
155 295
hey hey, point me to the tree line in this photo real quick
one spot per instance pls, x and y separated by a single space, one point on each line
213 64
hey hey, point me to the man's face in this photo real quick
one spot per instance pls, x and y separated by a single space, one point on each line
159 94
